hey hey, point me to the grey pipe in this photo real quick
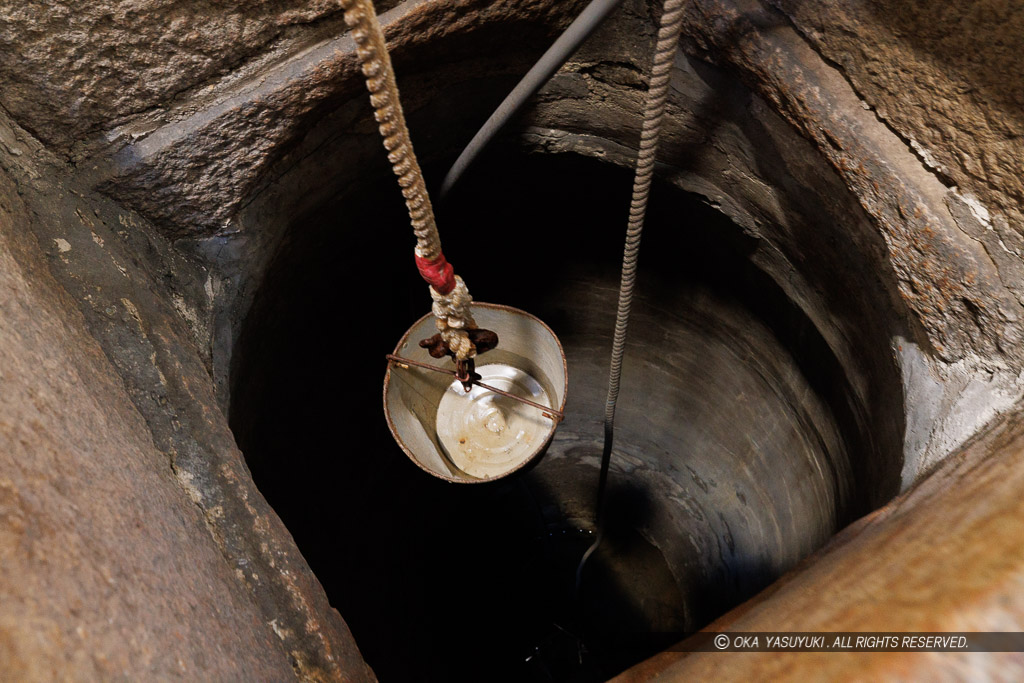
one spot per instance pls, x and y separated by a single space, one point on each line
552 60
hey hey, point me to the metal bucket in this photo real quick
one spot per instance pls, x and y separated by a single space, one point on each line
529 358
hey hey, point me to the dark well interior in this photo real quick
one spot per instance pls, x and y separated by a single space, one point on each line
737 448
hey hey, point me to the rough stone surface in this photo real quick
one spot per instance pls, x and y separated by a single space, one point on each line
948 553
71 69
192 176
956 96
946 278
143 303
106 566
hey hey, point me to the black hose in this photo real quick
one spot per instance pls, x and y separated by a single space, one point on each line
552 60
602 486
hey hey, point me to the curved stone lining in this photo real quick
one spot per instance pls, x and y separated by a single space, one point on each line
732 460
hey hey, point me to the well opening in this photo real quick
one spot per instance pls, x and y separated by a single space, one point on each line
742 440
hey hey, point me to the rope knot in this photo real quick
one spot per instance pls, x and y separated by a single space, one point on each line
454 319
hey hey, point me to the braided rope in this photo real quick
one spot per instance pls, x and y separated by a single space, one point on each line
450 295
654 112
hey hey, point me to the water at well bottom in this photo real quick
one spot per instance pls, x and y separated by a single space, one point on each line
629 609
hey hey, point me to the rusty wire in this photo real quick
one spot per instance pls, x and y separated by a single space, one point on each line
556 415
